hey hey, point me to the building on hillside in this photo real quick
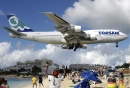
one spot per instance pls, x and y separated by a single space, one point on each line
51 68
85 66
29 64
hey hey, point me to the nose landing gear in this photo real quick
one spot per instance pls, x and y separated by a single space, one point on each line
117 44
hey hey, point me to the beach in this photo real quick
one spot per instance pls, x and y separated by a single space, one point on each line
64 84
67 83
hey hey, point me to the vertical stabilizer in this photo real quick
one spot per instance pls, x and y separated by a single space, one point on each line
17 25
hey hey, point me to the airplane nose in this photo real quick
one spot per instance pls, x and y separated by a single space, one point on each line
125 36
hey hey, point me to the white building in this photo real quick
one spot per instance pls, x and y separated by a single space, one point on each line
85 66
51 68
29 64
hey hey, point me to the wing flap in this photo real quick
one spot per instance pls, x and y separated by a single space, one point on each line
14 32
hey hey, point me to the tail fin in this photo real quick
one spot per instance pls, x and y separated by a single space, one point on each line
17 25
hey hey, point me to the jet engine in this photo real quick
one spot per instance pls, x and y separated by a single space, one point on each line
93 37
90 37
75 28
83 46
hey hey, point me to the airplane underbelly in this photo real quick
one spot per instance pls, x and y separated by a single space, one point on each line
109 39
89 42
103 39
50 39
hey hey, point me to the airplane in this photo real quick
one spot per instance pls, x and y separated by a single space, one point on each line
69 36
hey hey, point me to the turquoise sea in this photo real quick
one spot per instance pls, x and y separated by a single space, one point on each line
18 82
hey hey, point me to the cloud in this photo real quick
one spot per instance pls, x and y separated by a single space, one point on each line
1 13
4 48
20 46
99 54
100 14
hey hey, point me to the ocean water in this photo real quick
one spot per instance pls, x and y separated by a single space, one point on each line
18 82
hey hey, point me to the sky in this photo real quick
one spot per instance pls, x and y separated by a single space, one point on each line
90 14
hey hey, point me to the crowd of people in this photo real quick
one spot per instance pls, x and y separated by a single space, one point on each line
55 78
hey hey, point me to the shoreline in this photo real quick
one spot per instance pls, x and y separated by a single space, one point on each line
18 82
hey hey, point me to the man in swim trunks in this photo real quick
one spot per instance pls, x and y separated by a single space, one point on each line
40 81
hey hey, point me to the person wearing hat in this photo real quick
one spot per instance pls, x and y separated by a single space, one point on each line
55 81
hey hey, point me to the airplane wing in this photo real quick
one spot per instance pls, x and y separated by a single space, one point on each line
14 32
71 32
56 18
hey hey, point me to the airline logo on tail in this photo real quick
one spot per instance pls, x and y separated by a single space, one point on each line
16 24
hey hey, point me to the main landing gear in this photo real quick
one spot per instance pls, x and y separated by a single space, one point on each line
71 46
74 46
117 44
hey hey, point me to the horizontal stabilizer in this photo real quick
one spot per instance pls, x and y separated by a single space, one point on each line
14 32
55 18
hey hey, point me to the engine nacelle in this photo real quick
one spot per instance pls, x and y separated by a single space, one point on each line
90 37
75 28
83 46
93 37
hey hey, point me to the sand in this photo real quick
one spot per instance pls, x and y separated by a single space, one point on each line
66 83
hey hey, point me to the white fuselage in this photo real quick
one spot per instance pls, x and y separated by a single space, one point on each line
103 36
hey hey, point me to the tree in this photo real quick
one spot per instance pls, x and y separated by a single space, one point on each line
36 69
21 70
125 65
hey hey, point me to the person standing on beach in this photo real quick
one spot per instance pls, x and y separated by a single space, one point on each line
40 81
55 81
3 82
6 84
101 71
34 81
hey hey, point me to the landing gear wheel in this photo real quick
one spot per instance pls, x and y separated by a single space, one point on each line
117 44
76 46
71 46
74 49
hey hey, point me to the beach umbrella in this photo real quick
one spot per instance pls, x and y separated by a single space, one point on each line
88 75
83 84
